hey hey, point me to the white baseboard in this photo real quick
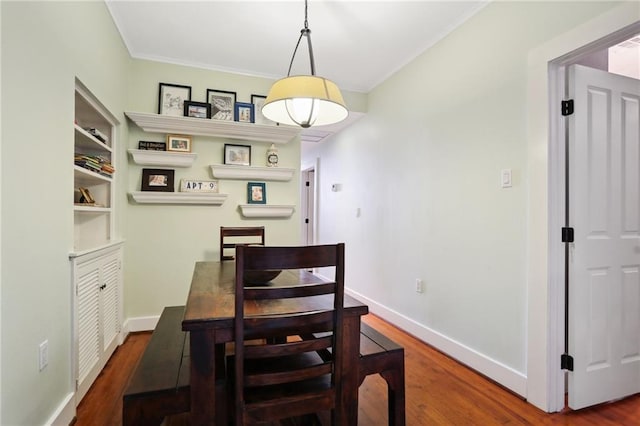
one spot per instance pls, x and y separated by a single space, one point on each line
504 375
65 413
132 325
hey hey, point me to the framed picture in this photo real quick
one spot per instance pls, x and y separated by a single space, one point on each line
85 196
171 99
239 155
160 180
179 143
197 109
258 101
256 193
244 112
152 146
221 104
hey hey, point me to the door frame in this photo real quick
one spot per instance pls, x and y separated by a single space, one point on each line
304 173
558 89
545 268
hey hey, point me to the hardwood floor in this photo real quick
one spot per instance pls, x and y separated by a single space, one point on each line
439 391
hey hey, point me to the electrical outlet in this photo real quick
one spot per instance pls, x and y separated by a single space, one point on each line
419 286
43 354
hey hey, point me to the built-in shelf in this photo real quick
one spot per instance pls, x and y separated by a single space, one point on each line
224 171
156 123
85 176
152 197
265 210
91 209
162 158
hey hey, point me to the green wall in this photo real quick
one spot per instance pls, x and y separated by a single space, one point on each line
45 46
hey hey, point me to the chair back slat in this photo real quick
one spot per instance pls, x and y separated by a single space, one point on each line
233 236
288 292
278 378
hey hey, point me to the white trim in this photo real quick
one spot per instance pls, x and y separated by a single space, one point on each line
133 325
65 413
545 328
504 375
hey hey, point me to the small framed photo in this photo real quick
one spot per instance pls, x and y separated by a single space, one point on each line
197 109
160 180
239 155
85 196
171 99
222 103
256 193
179 143
244 112
152 146
258 102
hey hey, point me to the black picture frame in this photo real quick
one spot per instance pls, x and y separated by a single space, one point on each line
171 99
244 112
158 180
222 102
256 193
237 155
197 109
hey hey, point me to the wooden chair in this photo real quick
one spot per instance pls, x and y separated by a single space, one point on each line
273 381
235 233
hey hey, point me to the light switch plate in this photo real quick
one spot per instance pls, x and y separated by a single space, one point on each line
505 178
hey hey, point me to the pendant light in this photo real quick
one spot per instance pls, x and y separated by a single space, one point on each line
304 100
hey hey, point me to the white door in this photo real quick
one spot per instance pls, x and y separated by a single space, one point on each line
604 210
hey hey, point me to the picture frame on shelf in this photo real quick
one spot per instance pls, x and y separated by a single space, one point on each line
179 143
222 102
256 193
237 155
244 112
197 109
258 102
152 146
85 196
171 99
158 180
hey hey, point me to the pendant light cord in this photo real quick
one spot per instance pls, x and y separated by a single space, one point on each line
305 32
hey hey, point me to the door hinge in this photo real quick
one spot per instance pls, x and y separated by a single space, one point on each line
567 235
567 107
566 362
306 183
306 220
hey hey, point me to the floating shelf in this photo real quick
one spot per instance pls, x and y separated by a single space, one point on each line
162 158
223 171
156 123
265 210
151 197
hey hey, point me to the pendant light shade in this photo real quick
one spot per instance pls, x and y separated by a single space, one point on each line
305 100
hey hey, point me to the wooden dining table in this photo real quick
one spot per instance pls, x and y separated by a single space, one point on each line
208 319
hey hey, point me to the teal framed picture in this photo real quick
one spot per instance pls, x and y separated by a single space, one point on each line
256 193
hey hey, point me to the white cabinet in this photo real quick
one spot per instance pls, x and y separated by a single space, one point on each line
97 282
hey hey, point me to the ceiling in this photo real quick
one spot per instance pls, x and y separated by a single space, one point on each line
356 43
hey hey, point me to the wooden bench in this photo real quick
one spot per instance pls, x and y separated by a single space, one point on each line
380 355
159 385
